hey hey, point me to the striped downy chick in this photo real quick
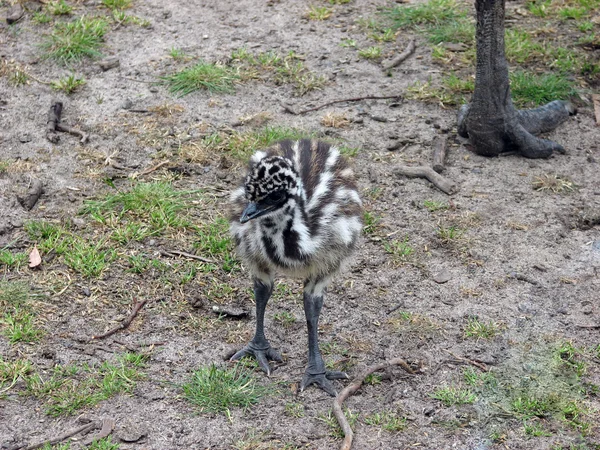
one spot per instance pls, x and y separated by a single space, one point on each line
297 213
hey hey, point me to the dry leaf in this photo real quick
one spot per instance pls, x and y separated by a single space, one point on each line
34 258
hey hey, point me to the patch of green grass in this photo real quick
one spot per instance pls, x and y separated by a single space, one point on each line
153 207
433 205
371 222
478 379
19 326
72 41
481 330
571 358
117 4
89 258
49 236
348 43
104 444
450 396
11 372
4 165
68 84
13 260
572 12
370 52
319 12
539 8
385 35
288 69
214 78
294 409
217 390
453 90
585 27
69 388
432 12
215 242
41 17
334 427
386 420
449 233
400 250
349 152
534 90
455 31
373 379
59 8
535 429
177 54
285 318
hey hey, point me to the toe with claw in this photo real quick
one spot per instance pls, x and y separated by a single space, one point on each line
262 354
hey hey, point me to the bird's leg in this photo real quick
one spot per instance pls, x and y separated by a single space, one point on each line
259 347
491 121
315 371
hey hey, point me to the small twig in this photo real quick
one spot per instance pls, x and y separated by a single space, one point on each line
123 325
65 129
63 290
409 50
440 182
352 388
589 327
355 99
107 427
596 101
439 153
82 429
149 170
139 81
473 363
172 253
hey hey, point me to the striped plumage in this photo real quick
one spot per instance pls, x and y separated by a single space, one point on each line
298 212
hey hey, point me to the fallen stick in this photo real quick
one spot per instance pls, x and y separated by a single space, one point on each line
409 50
172 253
53 125
352 388
107 427
33 195
440 182
150 170
125 324
289 109
473 363
82 429
596 101
439 153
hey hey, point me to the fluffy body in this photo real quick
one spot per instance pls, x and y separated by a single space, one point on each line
318 226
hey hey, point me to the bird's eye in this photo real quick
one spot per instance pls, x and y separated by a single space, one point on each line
276 196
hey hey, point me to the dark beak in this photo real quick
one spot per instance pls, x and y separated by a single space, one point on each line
254 210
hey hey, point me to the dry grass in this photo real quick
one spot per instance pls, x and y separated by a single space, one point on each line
335 120
557 184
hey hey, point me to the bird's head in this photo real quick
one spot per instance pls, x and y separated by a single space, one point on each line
271 182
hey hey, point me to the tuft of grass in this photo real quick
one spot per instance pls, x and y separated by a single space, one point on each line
371 223
554 183
68 84
455 31
59 8
19 326
432 12
334 427
481 330
11 372
285 318
72 41
117 4
214 78
571 357
214 241
535 429
146 209
41 17
534 90
400 250
370 52
434 206
49 236
73 387
450 396
449 233
104 444
319 12
12 260
386 420
88 258
217 390
295 410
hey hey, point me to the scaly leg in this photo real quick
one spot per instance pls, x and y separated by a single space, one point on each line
259 347
315 371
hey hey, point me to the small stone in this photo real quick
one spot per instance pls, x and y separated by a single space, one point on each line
78 222
127 104
131 432
442 277
86 291
24 138
109 63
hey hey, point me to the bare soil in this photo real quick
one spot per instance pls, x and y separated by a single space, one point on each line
525 260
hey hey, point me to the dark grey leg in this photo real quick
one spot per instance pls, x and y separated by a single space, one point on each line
315 371
491 121
259 347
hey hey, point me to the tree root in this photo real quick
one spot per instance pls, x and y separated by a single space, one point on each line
355 386
410 48
442 183
125 324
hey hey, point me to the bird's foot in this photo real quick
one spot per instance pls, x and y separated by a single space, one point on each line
263 354
322 380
